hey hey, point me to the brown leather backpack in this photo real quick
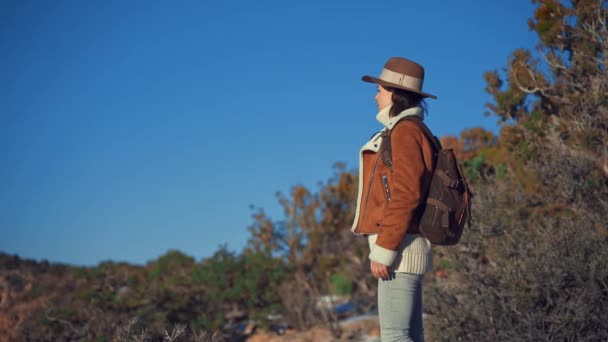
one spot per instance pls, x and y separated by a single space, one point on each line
448 204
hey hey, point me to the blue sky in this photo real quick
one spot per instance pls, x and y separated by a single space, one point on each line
133 127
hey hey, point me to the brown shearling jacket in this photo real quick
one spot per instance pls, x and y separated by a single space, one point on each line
388 201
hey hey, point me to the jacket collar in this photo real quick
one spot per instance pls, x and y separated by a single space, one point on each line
389 123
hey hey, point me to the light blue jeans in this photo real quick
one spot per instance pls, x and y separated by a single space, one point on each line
400 307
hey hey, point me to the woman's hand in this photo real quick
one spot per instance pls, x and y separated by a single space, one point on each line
378 270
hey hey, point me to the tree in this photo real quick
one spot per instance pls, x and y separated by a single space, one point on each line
314 238
532 267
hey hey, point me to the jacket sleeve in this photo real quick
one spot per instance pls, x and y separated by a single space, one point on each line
406 191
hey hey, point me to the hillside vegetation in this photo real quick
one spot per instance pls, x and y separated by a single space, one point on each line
532 266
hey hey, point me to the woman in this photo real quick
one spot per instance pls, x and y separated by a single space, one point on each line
390 196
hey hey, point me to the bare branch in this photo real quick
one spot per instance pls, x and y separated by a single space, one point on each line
553 64
177 331
534 90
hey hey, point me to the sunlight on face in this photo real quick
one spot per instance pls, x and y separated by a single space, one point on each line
383 97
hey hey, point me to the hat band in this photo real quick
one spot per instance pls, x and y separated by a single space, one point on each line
401 79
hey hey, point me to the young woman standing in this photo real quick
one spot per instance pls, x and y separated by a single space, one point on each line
390 197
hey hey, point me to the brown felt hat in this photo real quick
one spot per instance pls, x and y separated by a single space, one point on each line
401 73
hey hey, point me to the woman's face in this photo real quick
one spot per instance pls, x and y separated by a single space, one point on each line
383 97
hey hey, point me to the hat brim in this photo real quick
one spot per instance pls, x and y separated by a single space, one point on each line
371 79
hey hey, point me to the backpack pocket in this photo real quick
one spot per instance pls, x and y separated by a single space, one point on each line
438 223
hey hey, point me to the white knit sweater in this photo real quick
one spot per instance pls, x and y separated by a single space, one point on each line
414 254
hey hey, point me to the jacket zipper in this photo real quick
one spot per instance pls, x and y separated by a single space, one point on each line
387 190
371 179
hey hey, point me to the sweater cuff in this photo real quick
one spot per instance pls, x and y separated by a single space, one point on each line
382 255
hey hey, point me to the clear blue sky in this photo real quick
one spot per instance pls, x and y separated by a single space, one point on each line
134 127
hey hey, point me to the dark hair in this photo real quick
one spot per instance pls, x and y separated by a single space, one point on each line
403 99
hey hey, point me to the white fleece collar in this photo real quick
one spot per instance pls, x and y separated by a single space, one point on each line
389 122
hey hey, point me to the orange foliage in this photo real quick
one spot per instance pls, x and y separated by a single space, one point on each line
470 143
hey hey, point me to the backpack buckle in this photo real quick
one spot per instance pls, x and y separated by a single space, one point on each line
455 184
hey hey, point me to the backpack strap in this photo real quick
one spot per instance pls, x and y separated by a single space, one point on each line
386 149
427 132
